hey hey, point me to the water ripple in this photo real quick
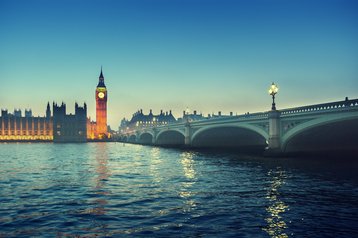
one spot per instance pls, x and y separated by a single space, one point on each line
111 190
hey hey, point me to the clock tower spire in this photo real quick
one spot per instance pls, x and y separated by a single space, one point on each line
101 108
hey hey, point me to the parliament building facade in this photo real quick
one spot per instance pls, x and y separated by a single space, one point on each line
58 126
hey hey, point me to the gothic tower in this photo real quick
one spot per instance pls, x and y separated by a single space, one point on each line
48 111
101 108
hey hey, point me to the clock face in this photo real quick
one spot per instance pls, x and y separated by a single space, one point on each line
101 95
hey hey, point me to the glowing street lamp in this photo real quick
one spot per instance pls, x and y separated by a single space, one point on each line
272 91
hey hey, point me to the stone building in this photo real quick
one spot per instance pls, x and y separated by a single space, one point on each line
139 119
15 127
68 127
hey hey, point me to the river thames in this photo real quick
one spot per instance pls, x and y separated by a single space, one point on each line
114 190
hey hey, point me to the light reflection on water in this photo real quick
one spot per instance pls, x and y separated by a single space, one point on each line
107 189
102 175
188 164
276 225
154 163
186 160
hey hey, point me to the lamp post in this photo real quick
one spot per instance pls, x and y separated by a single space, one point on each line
273 91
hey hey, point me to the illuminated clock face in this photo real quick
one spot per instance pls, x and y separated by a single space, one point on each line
101 95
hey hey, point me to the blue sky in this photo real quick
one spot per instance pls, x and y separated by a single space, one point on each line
172 54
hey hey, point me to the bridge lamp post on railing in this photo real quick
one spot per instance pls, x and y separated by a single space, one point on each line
273 91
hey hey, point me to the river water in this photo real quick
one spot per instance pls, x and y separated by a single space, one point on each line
115 190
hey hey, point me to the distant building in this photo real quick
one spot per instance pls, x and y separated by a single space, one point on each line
69 128
187 116
219 115
17 113
28 113
191 116
139 119
123 125
91 129
15 127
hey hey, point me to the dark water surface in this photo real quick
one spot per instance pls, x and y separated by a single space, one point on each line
111 190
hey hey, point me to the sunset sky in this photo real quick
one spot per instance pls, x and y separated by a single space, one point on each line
207 55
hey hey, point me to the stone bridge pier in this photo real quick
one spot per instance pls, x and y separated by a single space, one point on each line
274 140
187 135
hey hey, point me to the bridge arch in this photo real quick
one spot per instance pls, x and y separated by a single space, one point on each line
333 133
146 138
230 135
170 137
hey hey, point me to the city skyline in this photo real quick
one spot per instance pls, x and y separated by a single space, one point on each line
170 55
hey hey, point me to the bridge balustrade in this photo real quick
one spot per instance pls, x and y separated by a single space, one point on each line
257 115
341 105
317 108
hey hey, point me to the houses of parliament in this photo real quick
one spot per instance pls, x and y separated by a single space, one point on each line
56 125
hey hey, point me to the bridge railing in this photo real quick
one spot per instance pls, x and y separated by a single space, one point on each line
246 116
251 116
256 115
317 108
324 107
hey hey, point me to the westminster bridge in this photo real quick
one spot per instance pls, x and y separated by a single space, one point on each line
328 126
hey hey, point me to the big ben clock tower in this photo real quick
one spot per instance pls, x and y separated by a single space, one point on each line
101 108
